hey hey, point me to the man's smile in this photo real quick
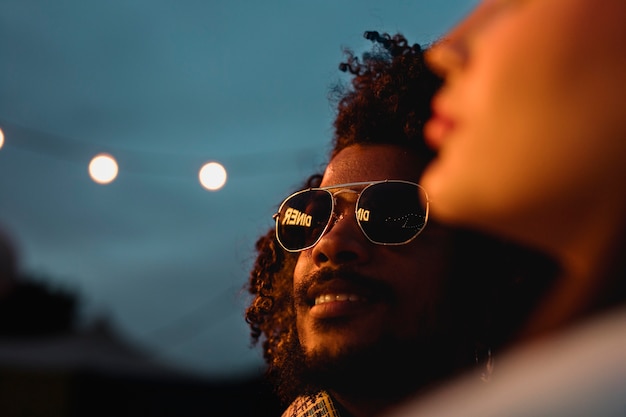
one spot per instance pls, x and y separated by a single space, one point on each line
336 296
328 298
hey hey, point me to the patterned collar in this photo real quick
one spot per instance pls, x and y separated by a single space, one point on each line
320 405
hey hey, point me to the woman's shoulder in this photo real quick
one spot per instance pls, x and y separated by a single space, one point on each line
580 371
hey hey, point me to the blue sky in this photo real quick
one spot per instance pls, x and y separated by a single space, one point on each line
165 86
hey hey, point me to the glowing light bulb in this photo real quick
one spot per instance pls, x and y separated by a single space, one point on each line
1 138
103 168
212 176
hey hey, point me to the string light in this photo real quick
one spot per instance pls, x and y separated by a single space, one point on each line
212 176
103 168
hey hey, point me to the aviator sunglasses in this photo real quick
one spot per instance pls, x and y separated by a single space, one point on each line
389 212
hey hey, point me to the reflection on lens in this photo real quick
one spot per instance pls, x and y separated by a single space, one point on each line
396 212
303 218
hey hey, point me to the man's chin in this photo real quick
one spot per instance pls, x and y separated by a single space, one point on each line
389 369
354 371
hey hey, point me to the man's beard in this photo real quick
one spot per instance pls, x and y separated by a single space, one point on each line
390 369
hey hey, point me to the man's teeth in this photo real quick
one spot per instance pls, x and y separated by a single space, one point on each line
328 298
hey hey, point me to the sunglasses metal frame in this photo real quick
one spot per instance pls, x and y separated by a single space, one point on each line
344 187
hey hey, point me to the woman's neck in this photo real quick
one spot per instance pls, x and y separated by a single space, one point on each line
592 275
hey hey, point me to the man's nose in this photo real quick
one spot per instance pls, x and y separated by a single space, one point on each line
343 241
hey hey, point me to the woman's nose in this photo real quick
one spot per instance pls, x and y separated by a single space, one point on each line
445 56
453 51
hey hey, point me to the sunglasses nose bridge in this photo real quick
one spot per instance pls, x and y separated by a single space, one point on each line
344 203
334 219
344 211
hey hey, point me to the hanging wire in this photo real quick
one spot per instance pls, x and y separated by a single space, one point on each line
155 163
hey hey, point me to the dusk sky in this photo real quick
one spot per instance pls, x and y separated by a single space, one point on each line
165 86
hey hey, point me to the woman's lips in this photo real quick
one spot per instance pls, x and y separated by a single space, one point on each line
437 128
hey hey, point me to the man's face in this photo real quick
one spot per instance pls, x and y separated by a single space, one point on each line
370 297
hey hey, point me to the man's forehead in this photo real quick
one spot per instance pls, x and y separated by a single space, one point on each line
371 163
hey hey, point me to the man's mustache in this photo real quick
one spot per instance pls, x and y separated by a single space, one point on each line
346 274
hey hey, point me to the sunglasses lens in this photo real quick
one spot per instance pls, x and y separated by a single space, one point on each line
391 212
302 219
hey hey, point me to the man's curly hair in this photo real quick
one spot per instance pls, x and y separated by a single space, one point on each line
389 98
387 102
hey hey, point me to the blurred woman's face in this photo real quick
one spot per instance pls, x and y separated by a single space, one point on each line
531 122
